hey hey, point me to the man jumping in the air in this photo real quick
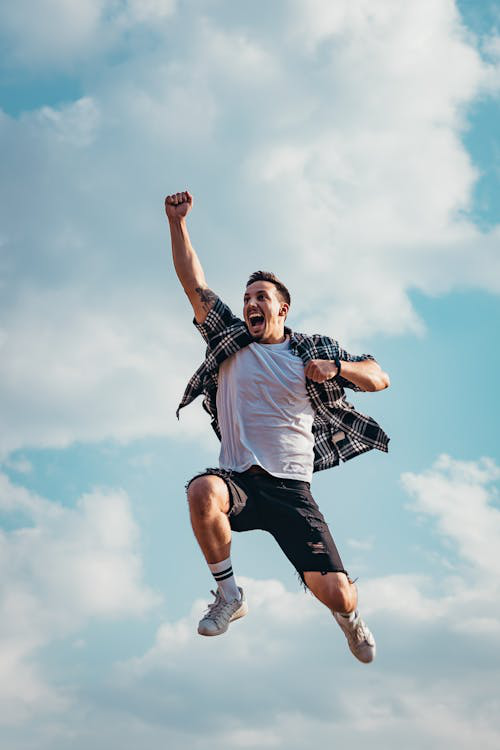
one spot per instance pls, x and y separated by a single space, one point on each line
276 399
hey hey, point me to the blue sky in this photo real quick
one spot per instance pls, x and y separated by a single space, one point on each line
353 149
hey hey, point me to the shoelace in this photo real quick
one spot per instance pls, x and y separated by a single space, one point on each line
217 608
359 632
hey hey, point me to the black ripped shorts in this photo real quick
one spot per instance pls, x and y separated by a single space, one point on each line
286 509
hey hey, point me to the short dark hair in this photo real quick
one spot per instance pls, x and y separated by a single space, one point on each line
268 276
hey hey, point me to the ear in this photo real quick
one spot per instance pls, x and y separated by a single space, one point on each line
284 309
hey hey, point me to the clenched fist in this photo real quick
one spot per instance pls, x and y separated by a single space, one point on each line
178 205
320 370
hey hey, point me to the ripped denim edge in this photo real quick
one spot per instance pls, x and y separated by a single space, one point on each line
304 585
224 474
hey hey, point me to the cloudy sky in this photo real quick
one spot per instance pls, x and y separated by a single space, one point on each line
352 147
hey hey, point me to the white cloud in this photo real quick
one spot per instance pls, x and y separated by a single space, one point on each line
376 191
61 567
147 11
72 372
363 545
20 465
270 603
55 30
75 123
491 46
62 33
459 496
238 57
463 595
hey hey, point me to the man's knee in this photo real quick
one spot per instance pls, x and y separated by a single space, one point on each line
344 594
207 494
335 590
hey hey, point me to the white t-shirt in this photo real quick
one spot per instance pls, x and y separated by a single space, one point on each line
264 412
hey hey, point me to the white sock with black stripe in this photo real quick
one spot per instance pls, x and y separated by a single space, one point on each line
350 616
223 574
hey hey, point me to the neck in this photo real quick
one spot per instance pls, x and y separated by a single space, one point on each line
277 338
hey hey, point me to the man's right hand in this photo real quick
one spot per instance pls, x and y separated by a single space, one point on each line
178 205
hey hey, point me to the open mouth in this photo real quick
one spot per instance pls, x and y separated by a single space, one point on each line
255 321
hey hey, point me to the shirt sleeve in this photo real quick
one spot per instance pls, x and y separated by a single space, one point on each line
344 356
218 319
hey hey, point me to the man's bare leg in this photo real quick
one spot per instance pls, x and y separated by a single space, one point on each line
209 505
208 499
340 595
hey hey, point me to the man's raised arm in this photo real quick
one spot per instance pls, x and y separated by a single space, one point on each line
186 262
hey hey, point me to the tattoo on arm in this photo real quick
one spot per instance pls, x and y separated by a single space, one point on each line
207 297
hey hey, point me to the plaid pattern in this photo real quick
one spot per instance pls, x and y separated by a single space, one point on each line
340 432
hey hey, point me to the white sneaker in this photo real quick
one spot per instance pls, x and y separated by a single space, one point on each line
360 640
220 613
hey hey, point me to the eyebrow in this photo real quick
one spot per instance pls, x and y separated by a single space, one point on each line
260 291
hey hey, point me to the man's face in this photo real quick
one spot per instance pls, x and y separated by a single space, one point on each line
264 311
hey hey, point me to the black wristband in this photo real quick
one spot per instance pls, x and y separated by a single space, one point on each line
337 362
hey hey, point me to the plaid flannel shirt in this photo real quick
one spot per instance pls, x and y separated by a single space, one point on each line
340 432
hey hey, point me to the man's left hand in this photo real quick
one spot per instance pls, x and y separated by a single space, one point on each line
320 370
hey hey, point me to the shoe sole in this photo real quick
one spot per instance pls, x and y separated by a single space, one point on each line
241 612
370 655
